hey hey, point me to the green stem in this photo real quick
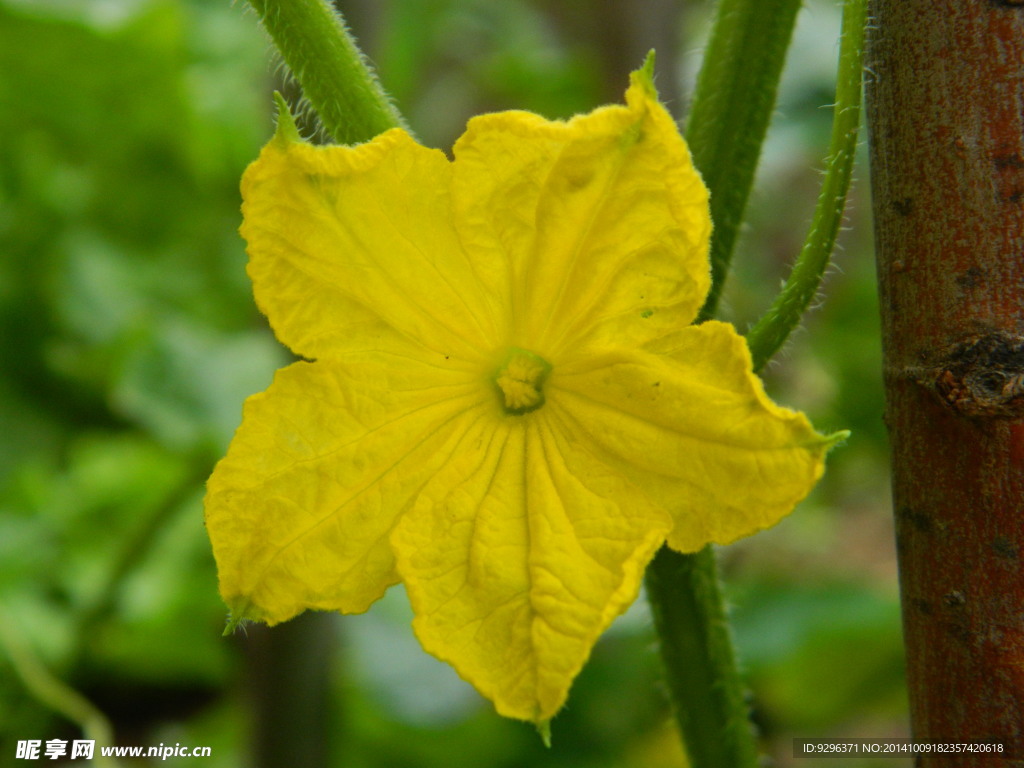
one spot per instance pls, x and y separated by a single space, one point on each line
333 73
54 693
696 646
290 670
732 105
772 330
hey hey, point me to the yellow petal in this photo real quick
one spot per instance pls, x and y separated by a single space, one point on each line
300 509
602 220
694 429
355 245
516 557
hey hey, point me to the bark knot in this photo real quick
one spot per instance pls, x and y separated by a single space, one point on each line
982 377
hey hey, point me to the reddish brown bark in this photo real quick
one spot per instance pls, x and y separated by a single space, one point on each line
946 118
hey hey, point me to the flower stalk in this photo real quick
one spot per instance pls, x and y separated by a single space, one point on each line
335 76
703 679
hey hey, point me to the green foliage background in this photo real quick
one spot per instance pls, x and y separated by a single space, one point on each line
129 339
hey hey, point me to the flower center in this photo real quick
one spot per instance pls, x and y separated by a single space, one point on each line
520 381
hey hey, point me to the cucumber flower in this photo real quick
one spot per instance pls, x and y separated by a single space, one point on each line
501 401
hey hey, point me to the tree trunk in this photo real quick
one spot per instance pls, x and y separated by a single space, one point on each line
945 106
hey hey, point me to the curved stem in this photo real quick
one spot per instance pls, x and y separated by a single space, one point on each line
732 105
774 327
54 693
333 73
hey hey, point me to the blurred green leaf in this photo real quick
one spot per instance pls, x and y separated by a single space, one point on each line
818 652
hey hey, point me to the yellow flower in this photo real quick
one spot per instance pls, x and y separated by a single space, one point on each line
503 404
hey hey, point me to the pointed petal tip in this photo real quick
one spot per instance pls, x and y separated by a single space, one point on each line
234 623
241 612
643 78
837 439
287 132
544 731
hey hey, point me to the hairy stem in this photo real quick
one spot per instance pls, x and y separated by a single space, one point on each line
334 75
707 691
772 330
732 106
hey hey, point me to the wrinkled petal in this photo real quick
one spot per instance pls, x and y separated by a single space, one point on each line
356 245
602 221
300 509
518 556
694 429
